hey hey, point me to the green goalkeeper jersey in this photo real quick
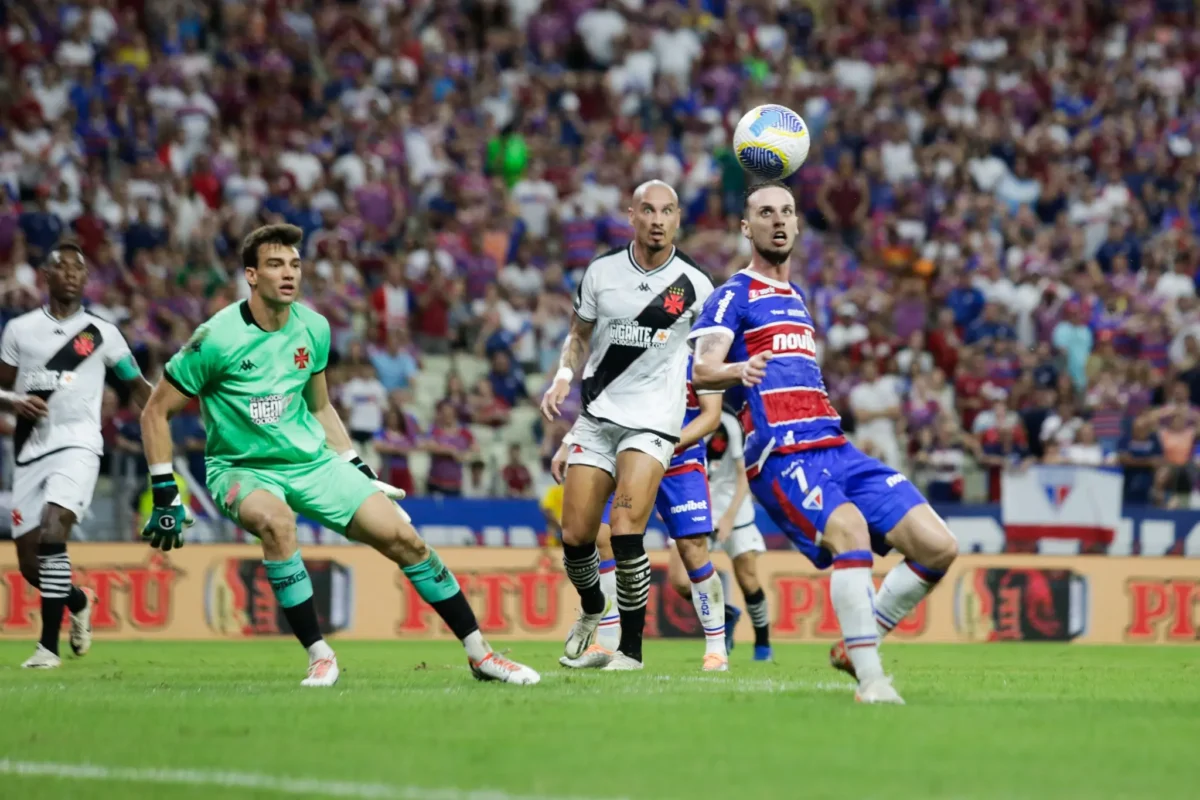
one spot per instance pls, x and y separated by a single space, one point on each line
251 384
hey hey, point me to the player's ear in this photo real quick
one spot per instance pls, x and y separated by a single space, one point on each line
745 228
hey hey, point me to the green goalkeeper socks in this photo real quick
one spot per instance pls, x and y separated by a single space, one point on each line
289 580
432 579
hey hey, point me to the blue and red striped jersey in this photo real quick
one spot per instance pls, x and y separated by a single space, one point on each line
790 410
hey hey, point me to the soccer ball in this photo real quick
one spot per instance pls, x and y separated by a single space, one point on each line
771 142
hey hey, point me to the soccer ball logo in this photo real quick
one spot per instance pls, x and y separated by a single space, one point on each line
771 142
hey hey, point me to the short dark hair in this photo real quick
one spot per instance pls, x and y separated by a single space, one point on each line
758 187
72 245
286 235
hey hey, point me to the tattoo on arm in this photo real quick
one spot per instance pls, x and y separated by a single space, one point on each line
623 501
712 348
575 346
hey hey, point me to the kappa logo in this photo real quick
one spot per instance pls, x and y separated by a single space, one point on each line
84 344
644 287
673 302
815 500
247 365
301 357
17 519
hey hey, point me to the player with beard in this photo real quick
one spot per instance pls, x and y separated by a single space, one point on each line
58 357
633 310
833 502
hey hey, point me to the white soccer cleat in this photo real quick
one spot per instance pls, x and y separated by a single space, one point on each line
595 657
322 672
497 668
583 633
879 690
80 636
622 663
42 659
716 662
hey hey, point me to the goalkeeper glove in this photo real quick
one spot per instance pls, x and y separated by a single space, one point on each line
392 492
360 465
169 516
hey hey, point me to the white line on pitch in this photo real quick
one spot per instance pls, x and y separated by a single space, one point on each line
255 781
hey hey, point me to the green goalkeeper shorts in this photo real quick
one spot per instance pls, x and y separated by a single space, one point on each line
328 490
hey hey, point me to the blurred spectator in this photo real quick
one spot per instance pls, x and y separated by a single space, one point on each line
365 400
451 445
399 436
486 407
875 403
1141 455
508 382
518 482
477 482
397 365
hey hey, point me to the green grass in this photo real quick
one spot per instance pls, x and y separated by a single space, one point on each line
984 721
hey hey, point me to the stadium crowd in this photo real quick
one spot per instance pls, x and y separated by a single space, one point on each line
1001 251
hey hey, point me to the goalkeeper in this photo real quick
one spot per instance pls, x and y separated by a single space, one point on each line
276 447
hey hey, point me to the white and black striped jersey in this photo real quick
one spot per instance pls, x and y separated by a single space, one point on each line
636 375
726 448
64 362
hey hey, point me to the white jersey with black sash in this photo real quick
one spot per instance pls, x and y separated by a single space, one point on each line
636 374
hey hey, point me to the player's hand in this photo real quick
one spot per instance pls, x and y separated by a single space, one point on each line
30 407
558 464
724 529
754 370
165 528
554 396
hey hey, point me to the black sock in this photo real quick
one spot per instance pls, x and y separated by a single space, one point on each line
302 618
457 614
54 581
756 605
582 563
633 591
76 600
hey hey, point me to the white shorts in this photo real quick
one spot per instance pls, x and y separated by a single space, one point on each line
66 478
596 444
742 539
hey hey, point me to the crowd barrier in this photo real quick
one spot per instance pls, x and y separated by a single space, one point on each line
205 592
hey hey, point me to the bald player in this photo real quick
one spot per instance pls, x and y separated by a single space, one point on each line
628 338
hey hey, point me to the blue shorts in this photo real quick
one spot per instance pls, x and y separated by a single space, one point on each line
801 490
683 502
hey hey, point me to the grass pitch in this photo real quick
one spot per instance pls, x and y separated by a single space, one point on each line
229 720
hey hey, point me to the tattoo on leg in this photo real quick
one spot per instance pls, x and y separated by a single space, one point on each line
622 501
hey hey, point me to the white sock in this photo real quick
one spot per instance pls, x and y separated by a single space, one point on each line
903 588
709 599
853 594
608 635
318 650
476 646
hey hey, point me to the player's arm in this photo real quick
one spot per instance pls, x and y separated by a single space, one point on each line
709 370
169 516
707 421
574 355
575 346
23 405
